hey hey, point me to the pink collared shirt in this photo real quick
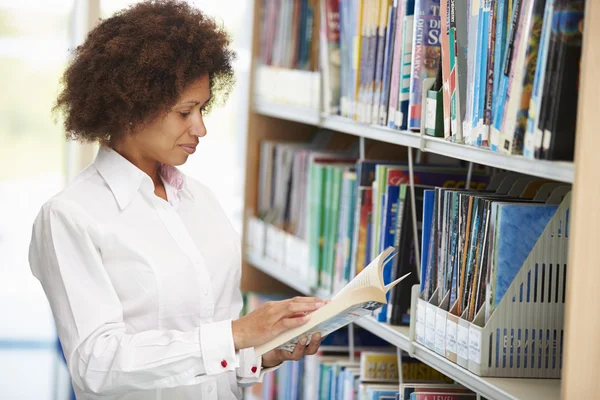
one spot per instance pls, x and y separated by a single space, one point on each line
142 290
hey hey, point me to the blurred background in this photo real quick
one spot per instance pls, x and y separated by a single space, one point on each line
36 37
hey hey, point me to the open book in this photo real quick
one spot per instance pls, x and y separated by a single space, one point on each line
365 293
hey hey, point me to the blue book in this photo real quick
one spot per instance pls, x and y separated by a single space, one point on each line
475 116
384 96
500 46
428 202
517 230
406 65
484 15
498 111
538 81
374 393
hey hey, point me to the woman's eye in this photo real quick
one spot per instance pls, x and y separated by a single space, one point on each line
184 114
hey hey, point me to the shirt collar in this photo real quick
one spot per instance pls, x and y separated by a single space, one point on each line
125 179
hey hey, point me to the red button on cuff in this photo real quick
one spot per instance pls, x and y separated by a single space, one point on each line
253 370
224 364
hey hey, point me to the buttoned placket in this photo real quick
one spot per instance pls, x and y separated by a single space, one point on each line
178 231
172 221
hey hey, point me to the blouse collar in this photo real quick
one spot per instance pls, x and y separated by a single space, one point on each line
125 179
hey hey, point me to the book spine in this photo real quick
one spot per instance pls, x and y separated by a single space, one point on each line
499 49
401 117
330 50
325 236
384 96
483 129
426 55
540 73
489 82
446 56
373 61
382 44
396 64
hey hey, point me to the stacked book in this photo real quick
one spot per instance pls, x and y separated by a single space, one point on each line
495 74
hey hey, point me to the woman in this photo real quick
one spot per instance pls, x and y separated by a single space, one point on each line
139 262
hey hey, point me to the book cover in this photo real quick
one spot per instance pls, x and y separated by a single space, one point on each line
426 54
559 138
503 86
515 131
406 261
550 78
428 204
515 78
459 37
518 228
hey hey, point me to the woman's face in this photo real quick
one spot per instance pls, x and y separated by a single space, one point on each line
172 138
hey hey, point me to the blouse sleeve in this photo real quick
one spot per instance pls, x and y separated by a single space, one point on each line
102 357
249 371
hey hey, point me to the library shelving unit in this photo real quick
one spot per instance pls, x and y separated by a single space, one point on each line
582 324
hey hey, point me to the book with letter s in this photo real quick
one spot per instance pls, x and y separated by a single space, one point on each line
364 294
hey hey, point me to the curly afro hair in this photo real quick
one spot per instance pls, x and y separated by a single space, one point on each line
133 67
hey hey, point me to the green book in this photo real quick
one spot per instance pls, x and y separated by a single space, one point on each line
325 239
315 220
334 218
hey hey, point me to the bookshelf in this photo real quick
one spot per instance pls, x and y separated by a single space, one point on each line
558 171
582 326
399 336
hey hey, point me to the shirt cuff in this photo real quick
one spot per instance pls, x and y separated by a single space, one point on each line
250 369
218 349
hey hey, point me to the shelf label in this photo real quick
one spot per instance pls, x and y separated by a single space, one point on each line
430 326
451 336
463 341
475 345
420 325
440 332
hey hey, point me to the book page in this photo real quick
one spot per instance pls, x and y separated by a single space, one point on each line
336 322
372 275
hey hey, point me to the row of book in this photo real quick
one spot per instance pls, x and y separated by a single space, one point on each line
469 243
289 36
374 373
507 70
475 243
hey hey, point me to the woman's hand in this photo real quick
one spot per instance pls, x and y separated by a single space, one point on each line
270 320
276 357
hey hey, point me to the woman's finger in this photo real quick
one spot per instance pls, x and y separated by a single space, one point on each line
300 299
294 308
289 323
299 350
314 344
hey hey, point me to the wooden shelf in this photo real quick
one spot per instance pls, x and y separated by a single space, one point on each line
399 336
556 170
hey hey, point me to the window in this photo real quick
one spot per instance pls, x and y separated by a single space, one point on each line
34 41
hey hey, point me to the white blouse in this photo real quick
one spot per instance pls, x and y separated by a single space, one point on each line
142 290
